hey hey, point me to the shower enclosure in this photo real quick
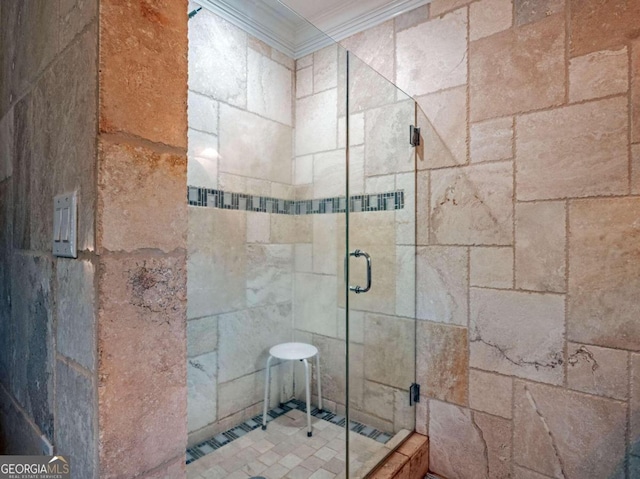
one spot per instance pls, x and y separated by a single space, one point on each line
302 219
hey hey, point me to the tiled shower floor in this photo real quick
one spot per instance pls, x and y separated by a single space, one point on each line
285 451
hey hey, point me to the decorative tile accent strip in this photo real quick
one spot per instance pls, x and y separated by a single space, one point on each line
210 198
224 438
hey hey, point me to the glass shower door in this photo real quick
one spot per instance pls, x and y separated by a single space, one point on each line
379 296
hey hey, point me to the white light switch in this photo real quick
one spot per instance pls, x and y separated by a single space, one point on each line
65 231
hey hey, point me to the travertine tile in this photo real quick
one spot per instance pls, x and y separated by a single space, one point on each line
438 7
203 113
316 123
441 283
554 427
379 400
387 149
74 16
314 302
258 227
574 151
141 316
491 267
356 130
270 273
603 285
598 26
496 434
442 362
490 393
239 394
446 135
304 82
269 87
472 205
375 47
202 335
518 70
325 251
304 62
75 307
216 261
246 336
148 101
598 74
259 46
529 11
412 18
217 50
367 88
520 334
541 239
395 366
240 131
202 390
487 17
431 55
492 140
325 68
133 181
406 281
456 445
75 419
329 174
597 370
303 170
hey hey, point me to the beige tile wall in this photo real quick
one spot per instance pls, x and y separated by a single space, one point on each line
528 212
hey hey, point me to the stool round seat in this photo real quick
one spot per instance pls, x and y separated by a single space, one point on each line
293 351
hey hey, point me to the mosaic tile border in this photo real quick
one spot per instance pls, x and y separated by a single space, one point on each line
211 198
206 447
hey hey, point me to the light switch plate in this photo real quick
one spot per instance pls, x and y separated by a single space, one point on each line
65 225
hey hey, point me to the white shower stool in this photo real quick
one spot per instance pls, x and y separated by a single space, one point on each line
294 352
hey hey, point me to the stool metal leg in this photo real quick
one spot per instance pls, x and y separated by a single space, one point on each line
266 394
319 386
307 381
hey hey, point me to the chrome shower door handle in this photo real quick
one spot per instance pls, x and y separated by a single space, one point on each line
359 289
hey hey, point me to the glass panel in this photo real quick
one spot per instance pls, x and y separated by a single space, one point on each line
381 224
267 178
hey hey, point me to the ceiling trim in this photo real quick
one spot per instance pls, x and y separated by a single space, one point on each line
281 28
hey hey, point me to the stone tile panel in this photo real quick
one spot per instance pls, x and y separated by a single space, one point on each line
541 239
446 133
133 181
518 70
492 140
604 252
431 56
143 82
574 151
442 364
598 74
490 393
472 205
554 428
441 283
596 25
456 444
142 365
596 370
520 334
491 267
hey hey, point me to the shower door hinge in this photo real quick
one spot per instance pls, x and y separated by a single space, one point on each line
414 135
414 394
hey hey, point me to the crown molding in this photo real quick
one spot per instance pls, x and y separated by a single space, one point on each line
283 29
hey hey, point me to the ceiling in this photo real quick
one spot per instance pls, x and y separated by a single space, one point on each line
285 28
